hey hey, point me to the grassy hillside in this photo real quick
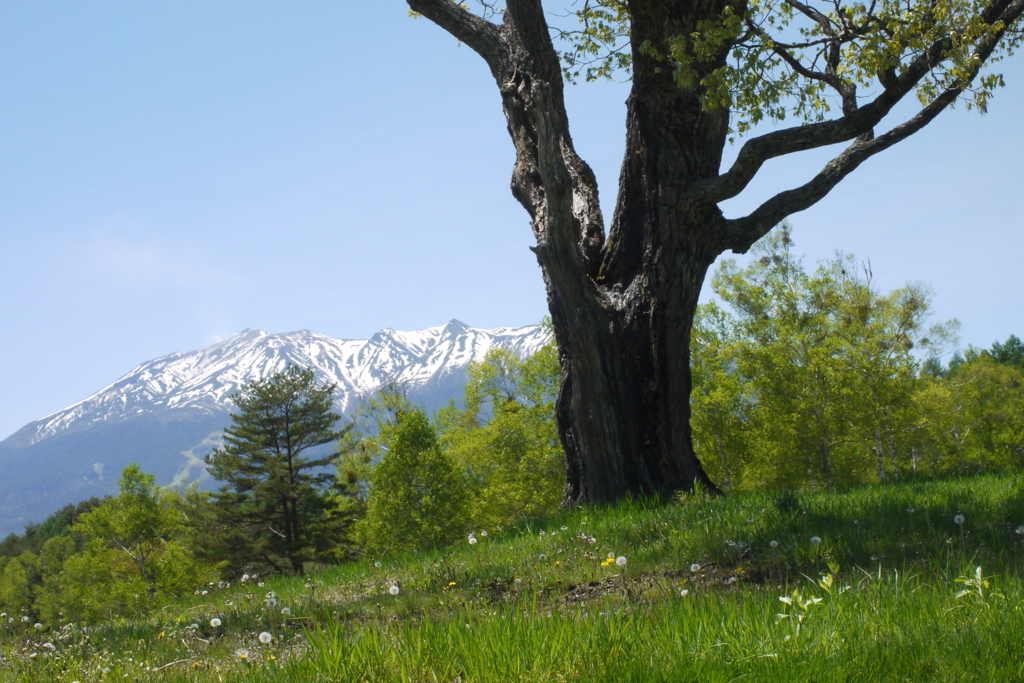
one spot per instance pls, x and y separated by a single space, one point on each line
875 583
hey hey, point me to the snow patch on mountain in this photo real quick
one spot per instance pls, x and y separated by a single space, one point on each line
204 380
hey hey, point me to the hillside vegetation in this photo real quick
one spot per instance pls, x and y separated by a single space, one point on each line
873 522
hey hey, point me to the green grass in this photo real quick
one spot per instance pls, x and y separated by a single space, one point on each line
876 599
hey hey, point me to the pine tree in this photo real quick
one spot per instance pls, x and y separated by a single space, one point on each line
278 506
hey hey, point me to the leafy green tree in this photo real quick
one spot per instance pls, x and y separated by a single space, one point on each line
278 506
811 378
623 297
723 402
506 439
134 523
135 554
50 596
15 585
988 423
417 498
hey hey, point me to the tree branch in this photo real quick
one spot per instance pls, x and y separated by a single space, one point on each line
743 232
480 35
860 122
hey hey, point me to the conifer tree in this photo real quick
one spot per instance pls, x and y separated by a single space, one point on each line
278 506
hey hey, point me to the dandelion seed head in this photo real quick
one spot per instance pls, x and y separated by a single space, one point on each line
620 561
484 533
377 564
472 540
1020 530
683 593
286 611
394 590
215 622
542 557
38 626
815 540
959 519
242 653
592 540
265 638
694 567
910 510
774 544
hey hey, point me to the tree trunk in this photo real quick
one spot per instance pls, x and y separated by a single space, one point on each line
723 459
624 405
878 455
622 307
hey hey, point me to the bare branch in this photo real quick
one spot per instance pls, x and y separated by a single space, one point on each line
478 33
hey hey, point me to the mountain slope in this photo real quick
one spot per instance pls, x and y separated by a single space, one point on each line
166 414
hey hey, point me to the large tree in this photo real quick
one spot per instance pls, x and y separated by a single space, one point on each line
623 300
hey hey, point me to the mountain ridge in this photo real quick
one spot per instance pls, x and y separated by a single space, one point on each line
167 413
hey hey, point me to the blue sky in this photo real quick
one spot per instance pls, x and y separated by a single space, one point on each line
175 172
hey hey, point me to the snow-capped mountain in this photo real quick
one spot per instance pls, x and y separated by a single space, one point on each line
166 414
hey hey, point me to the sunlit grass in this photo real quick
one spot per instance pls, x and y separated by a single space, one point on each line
890 592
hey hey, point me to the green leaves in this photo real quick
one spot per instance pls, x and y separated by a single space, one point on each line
417 497
810 378
773 60
506 439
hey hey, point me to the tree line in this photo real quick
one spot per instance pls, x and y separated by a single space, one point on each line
802 378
